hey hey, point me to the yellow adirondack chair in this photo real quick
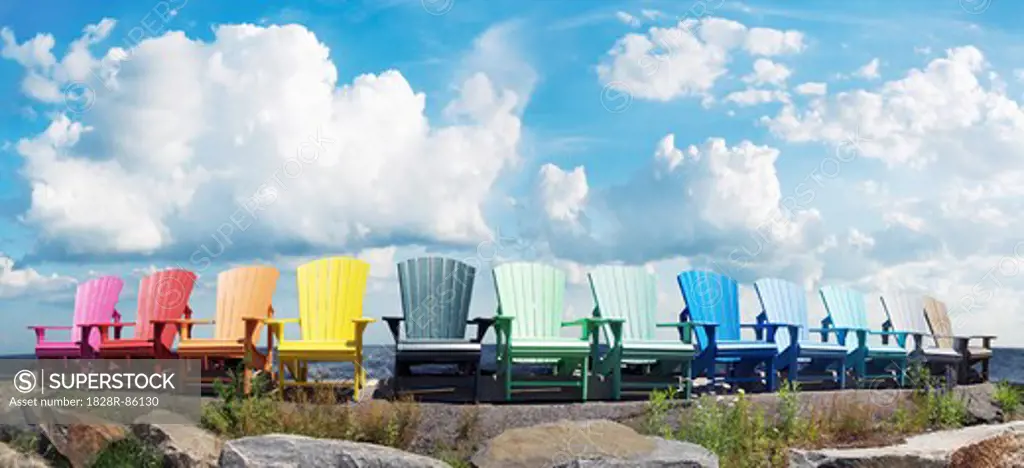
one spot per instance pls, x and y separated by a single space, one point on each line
244 298
330 319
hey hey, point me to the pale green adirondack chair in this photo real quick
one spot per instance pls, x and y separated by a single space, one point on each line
528 326
631 294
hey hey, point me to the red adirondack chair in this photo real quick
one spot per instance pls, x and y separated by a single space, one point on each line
94 303
162 296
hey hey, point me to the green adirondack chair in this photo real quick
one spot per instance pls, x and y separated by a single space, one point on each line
529 323
631 294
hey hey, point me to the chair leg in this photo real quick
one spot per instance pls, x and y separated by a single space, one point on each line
842 374
507 377
770 380
585 373
358 377
476 381
688 383
984 370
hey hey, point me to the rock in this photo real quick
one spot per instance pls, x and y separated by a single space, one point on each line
592 443
996 446
981 406
80 443
183 444
11 458
281 451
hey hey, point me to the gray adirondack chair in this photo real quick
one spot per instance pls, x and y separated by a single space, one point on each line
944 338
905 312
436 294
630 294
528 327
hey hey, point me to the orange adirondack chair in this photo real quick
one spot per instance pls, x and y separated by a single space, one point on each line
243 302
163 296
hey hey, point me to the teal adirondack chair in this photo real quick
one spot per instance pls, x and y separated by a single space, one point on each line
847 313
785 303
905 313
630 294
529 323
436 293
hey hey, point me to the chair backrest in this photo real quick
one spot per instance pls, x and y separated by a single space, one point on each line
533 294
243 292
629 293
905 311
938 320
711 297
436 292
847 309
783 302
163 295
94 303
330 296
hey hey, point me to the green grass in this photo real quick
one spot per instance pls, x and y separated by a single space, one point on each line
743 436
1008 398
129 452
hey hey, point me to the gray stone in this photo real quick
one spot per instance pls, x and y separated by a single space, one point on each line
996 446
284 451
10 458
592 443
183 444
981 406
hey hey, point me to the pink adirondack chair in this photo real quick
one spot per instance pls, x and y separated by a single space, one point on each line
162 296
94 303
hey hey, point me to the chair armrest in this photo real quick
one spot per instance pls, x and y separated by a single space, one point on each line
393 324
364 320
681 324
47 327
590 324
184 325
104 326
982 337
276 326
482 325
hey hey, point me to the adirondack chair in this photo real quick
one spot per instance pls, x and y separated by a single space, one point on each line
944 338
905 312
784 303
847 313
712 307
244 298
162 296
528 326
330 320
630 294
436 294
94 302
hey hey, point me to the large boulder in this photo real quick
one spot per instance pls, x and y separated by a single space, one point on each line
592 443
183 444
996 446
11 458
281 451
81 443
981 404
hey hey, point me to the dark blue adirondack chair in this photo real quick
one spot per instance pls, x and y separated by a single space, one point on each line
436 293
712 306
784 303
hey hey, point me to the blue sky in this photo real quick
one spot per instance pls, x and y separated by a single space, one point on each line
876 144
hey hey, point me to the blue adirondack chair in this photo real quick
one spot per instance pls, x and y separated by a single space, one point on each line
905 312
631 294
784 303
847 313
712 306
436 293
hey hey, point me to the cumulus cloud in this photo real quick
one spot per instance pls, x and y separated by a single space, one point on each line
15 282
628 19
753 97
708 201
249 138
687 59
768 72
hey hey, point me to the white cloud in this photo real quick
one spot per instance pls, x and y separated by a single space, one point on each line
812 89
248 138
687 59
753 97
628 19
869 70
27 281
563 193
709 201
768 72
